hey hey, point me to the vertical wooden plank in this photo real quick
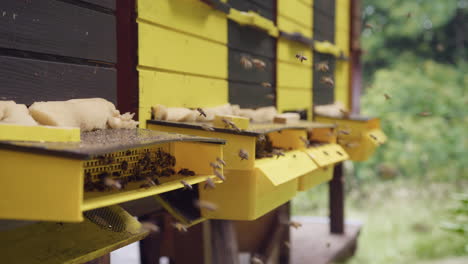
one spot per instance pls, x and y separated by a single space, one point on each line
224 242
150 247
127 47
336 200
189 246
284 214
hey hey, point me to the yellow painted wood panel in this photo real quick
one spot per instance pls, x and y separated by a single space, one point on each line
190 16
294 75
162 48
178 90
294 99
287 50
295 10
289 26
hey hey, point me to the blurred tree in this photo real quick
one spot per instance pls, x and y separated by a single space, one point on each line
429 29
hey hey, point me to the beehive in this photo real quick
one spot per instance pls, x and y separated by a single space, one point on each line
61 180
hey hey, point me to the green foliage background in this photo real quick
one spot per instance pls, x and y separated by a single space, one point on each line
416 52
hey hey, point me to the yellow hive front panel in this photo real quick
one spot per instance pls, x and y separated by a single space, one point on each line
189 16
342 38
289 138
294 75
164 49
317 177
294 99
287 50
178 90
289 26
231 149
40 187
296 11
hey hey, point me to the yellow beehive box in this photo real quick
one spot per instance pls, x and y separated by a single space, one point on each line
358 136
253 187
59 181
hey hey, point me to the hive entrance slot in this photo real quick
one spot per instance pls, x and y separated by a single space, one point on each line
182 201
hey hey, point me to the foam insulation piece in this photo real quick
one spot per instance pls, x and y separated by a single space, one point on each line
13 113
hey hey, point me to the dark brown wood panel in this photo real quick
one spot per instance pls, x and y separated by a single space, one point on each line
251 95
246 5
27 80
109 4
58 28
251 40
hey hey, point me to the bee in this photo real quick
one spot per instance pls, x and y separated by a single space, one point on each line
88 185
101 158
180 227
151 227
339 153
294 224
231 124
148 183
344 132
207 127
328 244
287 244
301 57
425 114
326 153
110 160
219 175
368 25
215 165
256 260
305 141
328 81
243 154
202 113
111 183
261 138
345 113
270 96
221 161
209 183
278 153
322 66
245 62
259 64
124 165
373 137
186 185
167 172
128 153
408 15
387 97
205 205
266 84
186 172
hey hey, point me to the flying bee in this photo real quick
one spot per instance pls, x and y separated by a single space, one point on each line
408 15
215 165
305 141
373 137
328 244
180 227
259 64
111 183
266 84
368 25
243 154
352 145
322 66
345 113
294 224
202 113
219 175
256 260
148 183
151 227
245 62
387 97
186 172
425 114
207 127
301 57
186 185
205 205
270 96
287 244
278 153
344 132
209 183
221 161
339 153
328 81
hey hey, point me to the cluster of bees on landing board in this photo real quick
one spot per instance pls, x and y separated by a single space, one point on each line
148 169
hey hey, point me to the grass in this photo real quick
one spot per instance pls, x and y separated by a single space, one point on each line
401 219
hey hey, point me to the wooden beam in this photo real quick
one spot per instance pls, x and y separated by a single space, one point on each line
336 200
224 242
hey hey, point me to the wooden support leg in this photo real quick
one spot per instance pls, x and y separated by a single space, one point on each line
224 242
150 247
336 200
284 215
